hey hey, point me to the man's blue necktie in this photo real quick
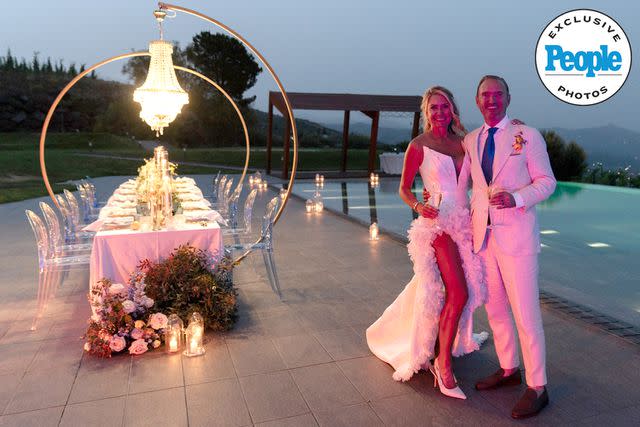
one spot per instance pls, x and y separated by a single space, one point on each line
487 155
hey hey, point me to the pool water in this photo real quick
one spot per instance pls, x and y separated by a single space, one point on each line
590 236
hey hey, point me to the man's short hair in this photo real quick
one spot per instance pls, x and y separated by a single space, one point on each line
492 77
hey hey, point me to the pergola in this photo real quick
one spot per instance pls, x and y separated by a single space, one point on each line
369 105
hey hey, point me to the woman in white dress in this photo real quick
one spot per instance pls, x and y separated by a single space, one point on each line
447 285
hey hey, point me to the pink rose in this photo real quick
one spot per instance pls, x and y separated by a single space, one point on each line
136 334
138 347
117 343
129 306
118 289
158 321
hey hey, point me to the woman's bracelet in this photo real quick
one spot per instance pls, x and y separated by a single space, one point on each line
415 205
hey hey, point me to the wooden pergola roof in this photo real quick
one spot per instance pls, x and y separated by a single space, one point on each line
370 105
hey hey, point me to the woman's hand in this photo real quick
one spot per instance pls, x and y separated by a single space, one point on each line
427 211
425 194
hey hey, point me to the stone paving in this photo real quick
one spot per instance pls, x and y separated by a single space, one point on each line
302 361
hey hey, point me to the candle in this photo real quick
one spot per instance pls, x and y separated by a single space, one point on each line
173 343
309 205
373 231
321 179
317 178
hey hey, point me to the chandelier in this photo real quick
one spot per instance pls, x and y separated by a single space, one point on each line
161 96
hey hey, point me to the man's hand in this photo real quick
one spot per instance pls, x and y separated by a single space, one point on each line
502 200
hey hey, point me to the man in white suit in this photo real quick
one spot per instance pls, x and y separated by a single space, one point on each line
511 173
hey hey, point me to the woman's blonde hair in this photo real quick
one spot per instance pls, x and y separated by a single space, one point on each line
455 126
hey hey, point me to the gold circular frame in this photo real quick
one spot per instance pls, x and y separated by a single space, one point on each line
237 36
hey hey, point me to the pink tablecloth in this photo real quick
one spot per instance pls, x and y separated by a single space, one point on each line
115 254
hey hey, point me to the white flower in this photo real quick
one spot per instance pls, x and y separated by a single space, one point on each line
129 306
147 302
87 346
156 344
117 343
158 321
118 289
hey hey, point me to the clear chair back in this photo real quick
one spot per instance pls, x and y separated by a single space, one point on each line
73 206
247 213
67 219
267 222
56 237
40 233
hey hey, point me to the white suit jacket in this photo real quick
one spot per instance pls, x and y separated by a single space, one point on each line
526 171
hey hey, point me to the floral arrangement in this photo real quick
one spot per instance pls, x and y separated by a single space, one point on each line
518 143
145 184
188 281
122 319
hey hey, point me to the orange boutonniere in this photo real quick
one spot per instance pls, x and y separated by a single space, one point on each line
519 143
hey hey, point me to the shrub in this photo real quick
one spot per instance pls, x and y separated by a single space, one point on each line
186 282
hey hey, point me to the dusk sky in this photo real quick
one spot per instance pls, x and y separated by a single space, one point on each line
398 47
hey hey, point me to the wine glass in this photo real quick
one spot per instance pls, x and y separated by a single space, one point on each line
435 200
492 190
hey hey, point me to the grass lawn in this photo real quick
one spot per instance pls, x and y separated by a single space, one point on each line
66 159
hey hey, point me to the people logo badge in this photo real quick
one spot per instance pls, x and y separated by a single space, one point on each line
583 57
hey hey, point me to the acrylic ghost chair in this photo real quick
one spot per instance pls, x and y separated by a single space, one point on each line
247 214
52 268
88 211
55 233
72 232
214 190
264 245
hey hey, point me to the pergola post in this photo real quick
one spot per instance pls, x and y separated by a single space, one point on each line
269 135
345 140
375 116
416 124
285 150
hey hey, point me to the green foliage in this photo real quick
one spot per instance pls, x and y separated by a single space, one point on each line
226 61
185 282
621 177
568 161
10 63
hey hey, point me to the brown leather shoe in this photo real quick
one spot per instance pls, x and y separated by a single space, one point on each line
530 404
498 380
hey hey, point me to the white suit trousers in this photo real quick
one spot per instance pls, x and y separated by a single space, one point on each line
512 287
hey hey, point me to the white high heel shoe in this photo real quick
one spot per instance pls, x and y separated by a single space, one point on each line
455 392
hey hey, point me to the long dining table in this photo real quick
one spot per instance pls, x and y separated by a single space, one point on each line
118 248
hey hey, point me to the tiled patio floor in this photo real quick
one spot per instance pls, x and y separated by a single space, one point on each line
298 362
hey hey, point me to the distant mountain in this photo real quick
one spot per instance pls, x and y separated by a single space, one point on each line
387 135
613 146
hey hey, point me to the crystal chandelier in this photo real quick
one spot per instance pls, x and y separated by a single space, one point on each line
161 96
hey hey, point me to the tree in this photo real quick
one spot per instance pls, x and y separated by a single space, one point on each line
226 61
567 161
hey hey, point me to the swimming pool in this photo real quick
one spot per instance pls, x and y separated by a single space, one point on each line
590 236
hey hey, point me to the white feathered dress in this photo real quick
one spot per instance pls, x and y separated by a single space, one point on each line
405 334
